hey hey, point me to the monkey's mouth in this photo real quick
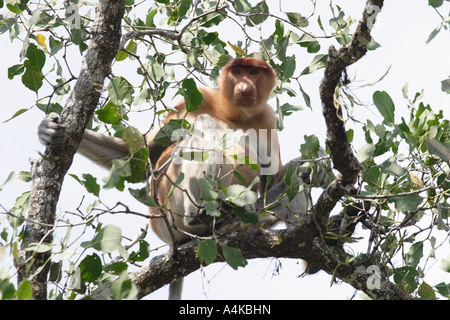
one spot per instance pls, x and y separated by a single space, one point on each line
244 99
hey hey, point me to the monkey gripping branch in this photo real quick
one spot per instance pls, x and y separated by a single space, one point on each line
48 174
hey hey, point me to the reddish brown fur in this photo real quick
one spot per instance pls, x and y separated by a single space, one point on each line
218 103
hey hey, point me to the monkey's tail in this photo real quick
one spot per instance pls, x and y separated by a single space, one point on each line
175 289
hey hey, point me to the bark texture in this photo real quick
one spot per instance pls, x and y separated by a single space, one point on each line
48 173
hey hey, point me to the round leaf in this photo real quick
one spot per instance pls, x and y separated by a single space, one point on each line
133 139
234 257
207 251
108 239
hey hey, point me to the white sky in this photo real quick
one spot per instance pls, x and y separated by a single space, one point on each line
402 29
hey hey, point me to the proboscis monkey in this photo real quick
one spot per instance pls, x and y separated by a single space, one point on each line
237 107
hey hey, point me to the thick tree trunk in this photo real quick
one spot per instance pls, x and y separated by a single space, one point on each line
48 173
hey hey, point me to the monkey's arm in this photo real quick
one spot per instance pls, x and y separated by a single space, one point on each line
97 147
102 149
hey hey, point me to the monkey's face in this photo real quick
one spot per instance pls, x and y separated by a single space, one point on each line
245 85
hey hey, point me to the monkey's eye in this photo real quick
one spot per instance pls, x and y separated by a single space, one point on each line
236 72
254 71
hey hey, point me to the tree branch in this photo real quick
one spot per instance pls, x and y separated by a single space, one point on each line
305 241
48 174
340 150
296 243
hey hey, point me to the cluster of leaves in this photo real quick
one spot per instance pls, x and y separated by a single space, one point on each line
171 37
405 177
80 269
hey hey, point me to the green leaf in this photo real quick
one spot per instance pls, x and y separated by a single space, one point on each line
180 178
122 55
308 42
212 208
310 148
90 268
109 113
338 22
278 34
207 251
246 216
154 69
426 291
245 160
385 106
192 96
318 62
208 192
40 247
445 85
143 252
19 210
291 182
116 268
391 167
33 77
287 109
443 289
55 271
414 254
36 57
120 168
91 184
22 175
175 128
143 196
107 240
297 19
240 195
18 113
149 18
120 91
16 7
243 6
438 148
435 3
259 12
123 288
365 153
230 138
408 203
180 11
288 67
405 278
445 264
233 257
23 291
15 70
133 139
213 19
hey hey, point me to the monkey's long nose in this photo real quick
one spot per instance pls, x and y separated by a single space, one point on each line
244 87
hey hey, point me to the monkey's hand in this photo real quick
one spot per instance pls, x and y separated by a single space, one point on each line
51 131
